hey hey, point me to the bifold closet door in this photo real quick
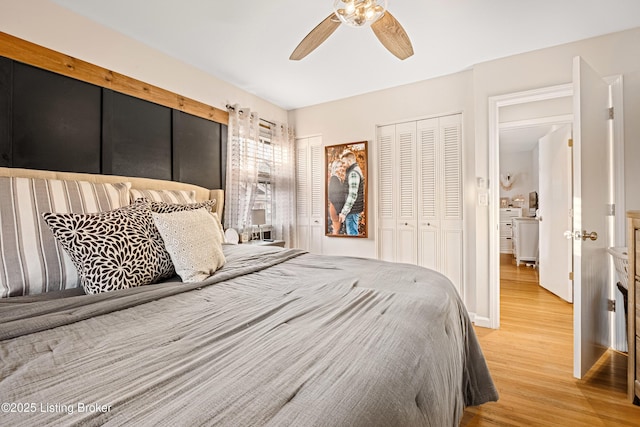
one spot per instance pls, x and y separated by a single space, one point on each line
387 194
397 216
420 194
407 218
310 208
450 190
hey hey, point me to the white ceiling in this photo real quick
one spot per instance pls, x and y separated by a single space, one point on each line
248 43
522 139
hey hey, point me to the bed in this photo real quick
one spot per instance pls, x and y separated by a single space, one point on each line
274 337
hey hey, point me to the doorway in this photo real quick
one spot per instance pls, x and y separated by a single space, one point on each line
500 104
535 204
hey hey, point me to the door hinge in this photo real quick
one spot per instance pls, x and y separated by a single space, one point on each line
611 209
570 142
571 275
610 113
611 305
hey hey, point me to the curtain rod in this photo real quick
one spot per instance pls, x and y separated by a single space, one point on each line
231 107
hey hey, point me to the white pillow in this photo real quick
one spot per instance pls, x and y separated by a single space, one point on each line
193 242
223 238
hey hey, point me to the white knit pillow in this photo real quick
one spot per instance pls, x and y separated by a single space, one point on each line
219 226
193 242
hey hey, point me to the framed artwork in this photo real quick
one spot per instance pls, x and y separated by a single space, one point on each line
346 190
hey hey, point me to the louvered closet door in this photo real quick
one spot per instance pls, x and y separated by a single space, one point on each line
428 207
303 203
316 162
420 194
309 182
407 218
386 193
451 199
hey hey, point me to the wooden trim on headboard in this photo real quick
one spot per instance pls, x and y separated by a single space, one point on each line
50 60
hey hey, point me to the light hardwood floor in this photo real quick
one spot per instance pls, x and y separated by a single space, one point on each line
531 361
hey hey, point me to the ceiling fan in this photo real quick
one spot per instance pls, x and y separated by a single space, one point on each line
359 13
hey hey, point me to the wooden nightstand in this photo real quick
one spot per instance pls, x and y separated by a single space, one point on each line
266 243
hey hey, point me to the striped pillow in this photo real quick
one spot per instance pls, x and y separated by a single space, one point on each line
167 196
31 261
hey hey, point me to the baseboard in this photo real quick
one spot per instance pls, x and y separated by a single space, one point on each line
481 321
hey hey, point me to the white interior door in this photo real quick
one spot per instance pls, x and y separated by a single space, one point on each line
590 198
554 197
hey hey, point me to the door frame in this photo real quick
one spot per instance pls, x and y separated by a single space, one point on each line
543 94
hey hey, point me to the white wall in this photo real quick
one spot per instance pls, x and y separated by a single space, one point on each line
535 168
519 165
355 118
536 110
50 25
617 53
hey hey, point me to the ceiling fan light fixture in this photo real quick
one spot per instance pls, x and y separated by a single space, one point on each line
359 13
349 8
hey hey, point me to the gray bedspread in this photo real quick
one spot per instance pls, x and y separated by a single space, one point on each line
276 338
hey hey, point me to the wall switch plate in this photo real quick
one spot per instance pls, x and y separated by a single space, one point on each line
483 199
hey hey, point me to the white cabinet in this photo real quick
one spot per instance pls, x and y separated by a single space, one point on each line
309 187
525 240
419 196
506 228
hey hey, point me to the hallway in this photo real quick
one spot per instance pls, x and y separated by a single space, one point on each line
531 360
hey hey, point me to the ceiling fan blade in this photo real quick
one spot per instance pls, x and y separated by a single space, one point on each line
392 36
315 38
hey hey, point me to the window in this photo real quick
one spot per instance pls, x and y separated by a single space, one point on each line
260 173
259 155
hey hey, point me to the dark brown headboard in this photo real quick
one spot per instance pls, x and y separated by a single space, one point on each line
52 121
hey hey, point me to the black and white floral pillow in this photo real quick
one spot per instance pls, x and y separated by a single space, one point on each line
113 250
162 207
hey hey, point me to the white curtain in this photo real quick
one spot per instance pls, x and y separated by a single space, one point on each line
242 175
284 189
252 161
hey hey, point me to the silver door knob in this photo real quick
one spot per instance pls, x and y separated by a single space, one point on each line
593 235
569 235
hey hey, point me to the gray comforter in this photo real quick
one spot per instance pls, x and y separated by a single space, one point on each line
275 338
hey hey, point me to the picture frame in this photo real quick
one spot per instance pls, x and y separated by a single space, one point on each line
342 160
